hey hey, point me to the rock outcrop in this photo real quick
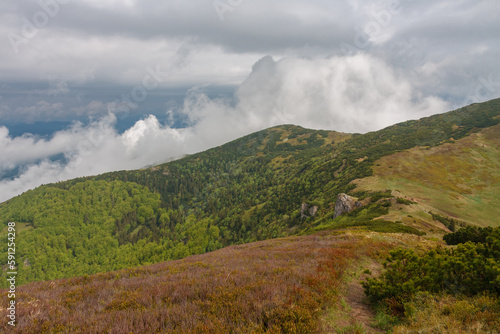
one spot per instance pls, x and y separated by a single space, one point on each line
307 210
345 204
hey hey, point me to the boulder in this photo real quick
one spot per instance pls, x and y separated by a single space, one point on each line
345 204
307 210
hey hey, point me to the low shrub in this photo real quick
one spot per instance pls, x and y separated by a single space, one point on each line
404 201
468 269
469 233
449 315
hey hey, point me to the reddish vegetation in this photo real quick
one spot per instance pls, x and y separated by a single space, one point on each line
275 286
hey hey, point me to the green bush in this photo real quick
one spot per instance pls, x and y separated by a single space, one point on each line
391 227
379 195
469 233
404 201
468 269
450 223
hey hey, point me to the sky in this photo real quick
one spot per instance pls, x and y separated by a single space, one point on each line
91 86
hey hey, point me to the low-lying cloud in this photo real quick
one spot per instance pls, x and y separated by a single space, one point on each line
350 94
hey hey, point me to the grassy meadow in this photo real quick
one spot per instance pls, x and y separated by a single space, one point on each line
460 179
277 286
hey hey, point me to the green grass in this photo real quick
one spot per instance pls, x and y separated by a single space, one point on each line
384 320
357 328
460 180
449 315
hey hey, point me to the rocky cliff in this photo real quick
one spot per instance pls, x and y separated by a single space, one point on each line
345 204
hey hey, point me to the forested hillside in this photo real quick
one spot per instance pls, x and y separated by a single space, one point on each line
250 189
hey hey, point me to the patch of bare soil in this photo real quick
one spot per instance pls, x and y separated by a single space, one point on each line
354 311
361 311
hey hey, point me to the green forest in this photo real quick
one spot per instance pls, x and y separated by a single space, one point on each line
247 190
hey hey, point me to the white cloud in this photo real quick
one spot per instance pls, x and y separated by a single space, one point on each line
351 94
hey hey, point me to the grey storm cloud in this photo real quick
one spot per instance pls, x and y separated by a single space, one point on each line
252 26
446 48
113 39
352 65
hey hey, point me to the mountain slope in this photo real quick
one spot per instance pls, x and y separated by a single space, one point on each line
460 179
250 189
284 285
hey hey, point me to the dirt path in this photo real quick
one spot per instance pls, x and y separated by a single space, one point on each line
353 311
360 311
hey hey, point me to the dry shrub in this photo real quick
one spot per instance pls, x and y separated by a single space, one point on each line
274 286
447 314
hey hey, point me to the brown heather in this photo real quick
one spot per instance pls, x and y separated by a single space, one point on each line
274 286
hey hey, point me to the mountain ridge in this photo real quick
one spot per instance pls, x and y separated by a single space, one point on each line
247 190
245 237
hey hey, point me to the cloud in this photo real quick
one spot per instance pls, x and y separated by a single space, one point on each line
351 94
57 87
447 46
41 110
89 150
354 94
94 108
27 148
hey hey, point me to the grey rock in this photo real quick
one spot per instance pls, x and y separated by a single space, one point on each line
307 210
345 204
